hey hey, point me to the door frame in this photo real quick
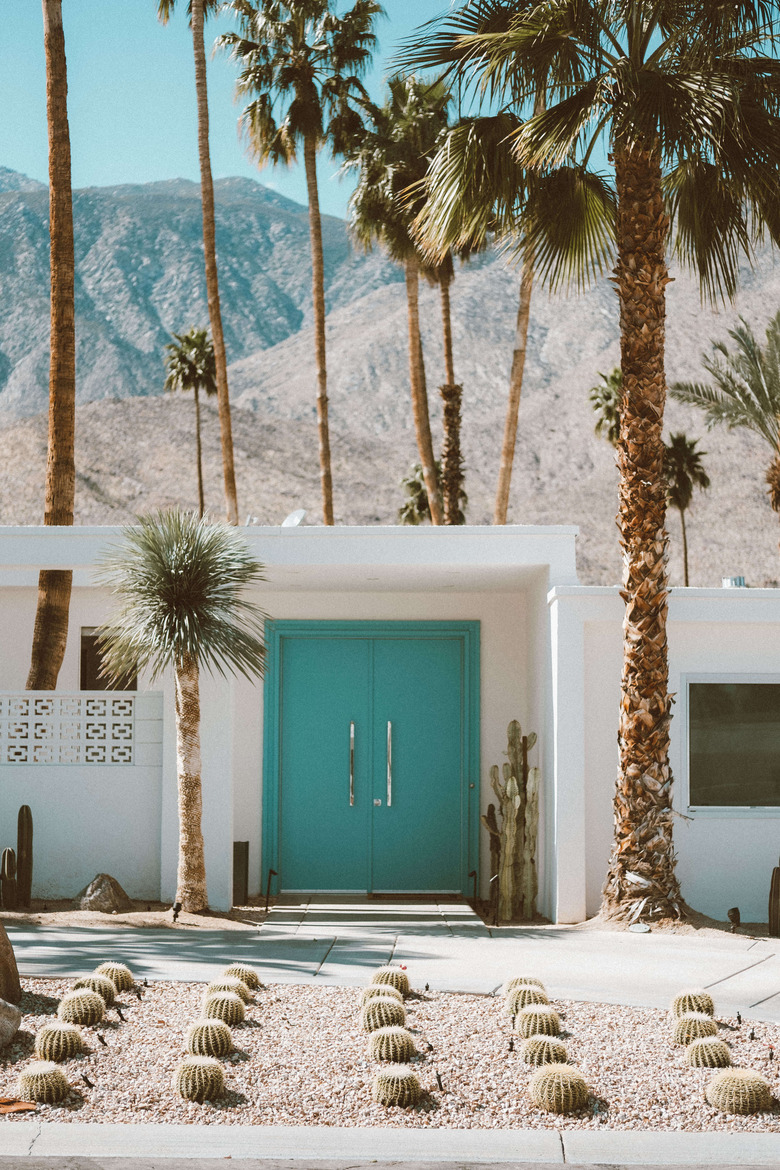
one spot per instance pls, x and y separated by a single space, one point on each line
468 634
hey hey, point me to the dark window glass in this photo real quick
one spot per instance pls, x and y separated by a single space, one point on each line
734 744
91 678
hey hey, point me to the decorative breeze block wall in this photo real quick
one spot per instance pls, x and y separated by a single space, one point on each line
95 727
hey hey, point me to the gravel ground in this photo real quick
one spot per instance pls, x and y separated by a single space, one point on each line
300 1059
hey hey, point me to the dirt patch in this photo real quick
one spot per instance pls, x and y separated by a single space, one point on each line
160 914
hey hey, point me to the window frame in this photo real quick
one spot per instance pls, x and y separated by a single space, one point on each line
89 632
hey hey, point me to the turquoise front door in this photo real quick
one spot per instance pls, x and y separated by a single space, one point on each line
375 754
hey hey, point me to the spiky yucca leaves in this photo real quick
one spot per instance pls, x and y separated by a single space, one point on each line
120 975
199 1078
43 1081
247 975
58 1041
230 983
522 995
382 1012
543 1050
394 977
537 1020
82 1007
226 1006
558 1088
104 987
396 1085
209 1037
692 1026
708 1052
740 1090
518 980
383 989
695 999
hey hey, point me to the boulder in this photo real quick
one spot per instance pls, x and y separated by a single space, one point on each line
104 893
10 1019
10 987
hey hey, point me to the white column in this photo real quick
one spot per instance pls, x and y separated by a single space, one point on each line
568 681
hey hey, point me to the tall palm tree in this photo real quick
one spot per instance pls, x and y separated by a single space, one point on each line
179 585
744 392
301 65
50 634
192 366
683 471
198 10
687 96
606 400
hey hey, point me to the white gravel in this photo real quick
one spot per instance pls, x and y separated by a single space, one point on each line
300 1059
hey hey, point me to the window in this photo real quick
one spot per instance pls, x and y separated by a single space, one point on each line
734 744
91 678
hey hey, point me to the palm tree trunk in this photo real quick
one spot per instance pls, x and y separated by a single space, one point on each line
452 394
515 390
422 422
318 297
446 325
641 867
50 634
210 257
191 873
201 501
685 547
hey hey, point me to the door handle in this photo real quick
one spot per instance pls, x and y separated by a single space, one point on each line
389 763
351 764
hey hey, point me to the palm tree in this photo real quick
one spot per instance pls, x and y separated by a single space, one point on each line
746 391
50 633
179 583
301 65
192 366
683 471
198 10
415 509
687 98
606 400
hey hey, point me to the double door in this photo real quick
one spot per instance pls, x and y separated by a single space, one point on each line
374 790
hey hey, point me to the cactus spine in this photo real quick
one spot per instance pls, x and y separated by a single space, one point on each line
394 977
120 975
537 1020
104 987
8 891
209 1037
383 989
58 1041
199 1078
692 1026
230 983
24 855
543 1050
394 1044
740 1090
695 1000
225 1006
382 1013
43 1081
396 1085
82 1007
524 980
707 1052
247 975
518 797
558 1088
523 995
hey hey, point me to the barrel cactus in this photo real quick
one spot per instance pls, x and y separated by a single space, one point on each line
58 1041
43 1081
384 989
694 1000
82 1007
120 975
225 1006
230 983
209 1037
396 1085
247 975
523 995
708 1052
104 987
739 1090
394 977
537 1019
692 1026
393 1044
382 1012
558 1088
517 980
543 1050
199 1078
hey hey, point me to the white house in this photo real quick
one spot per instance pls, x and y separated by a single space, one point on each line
397 657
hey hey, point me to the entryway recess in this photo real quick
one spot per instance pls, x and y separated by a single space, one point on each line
371 756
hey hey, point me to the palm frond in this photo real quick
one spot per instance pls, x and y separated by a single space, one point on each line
569 223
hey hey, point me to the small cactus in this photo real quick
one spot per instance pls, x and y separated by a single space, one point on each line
105 988
381 1012
707 1052
120 975
384 989
558 1088
517 980
692 1026
523 995
396 1085
537 1020
58 1041
246 974
230 983
394 1044
543 1050
82 1007
225 1006
694 1000
740 1090
394 977
209 1037
43 1081
199 1078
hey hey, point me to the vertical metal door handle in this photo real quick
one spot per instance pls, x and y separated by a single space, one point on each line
389 763
351 764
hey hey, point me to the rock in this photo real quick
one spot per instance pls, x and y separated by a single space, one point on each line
10 987
104 893
10 1019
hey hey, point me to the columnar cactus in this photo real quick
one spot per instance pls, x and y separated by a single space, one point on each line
558 1088
230 983
120 975
708 1052
104 987
246 974
739 1090
226 1006
43 1081
523 995
58 1041
692 1026
396 1085
694 1000
381 1012
393 976
199 1078
517 980
82 1007
209 1037
543 1050
537 1020
383 989
393 1044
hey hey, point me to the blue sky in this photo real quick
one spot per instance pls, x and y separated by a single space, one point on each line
131 95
